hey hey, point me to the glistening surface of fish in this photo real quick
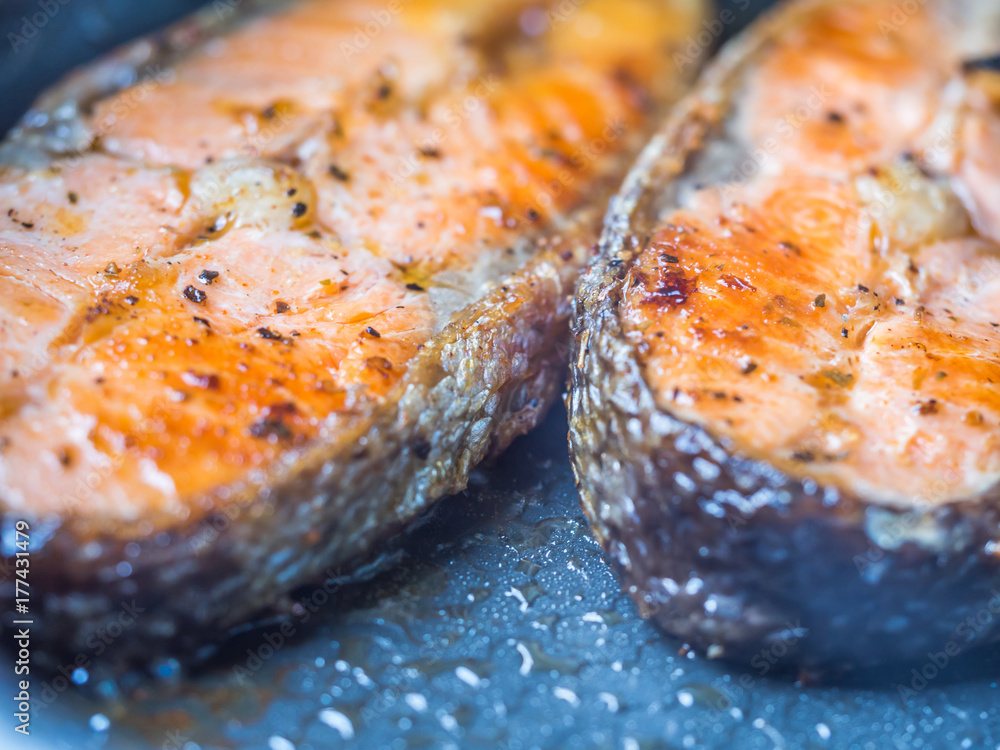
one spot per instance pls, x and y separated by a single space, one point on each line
264 304
786 392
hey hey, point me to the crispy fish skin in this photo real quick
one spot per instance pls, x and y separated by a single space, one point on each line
269 302
702 473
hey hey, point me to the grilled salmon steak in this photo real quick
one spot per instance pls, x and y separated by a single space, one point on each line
274 281
785 412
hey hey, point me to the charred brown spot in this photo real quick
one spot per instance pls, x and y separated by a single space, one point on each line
281 307
842 379
95 311
281 410
380 365
672 290
421 449
790 247
273 421
736 283
337 173
194 379
267 333
265 428
207 277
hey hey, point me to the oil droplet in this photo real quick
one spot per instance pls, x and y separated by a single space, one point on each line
527 662
336 720
100 723
467 676
609 700
567 695
416 701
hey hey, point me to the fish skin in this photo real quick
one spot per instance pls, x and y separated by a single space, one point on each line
270 301
762 435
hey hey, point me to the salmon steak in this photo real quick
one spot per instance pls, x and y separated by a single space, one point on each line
785 401
274 281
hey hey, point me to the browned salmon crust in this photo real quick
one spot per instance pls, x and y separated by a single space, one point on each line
784 400
261 311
